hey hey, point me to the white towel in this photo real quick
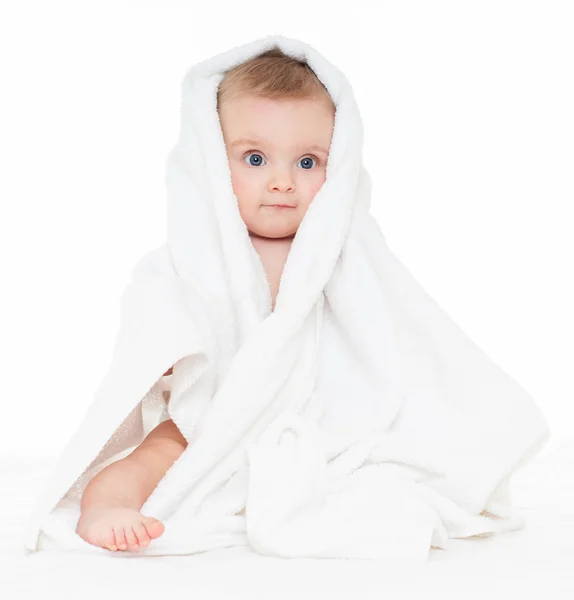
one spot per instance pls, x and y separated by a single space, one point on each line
356 420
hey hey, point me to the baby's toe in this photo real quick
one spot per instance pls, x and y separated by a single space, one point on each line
121 542
141 534
109 541
154 527
130 537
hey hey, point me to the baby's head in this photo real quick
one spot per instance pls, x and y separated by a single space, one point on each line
277 120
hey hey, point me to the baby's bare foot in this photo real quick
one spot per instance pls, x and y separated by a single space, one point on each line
116 528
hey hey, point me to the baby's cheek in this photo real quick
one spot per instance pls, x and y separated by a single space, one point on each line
316 186
241 187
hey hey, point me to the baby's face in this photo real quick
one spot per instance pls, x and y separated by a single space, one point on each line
284 163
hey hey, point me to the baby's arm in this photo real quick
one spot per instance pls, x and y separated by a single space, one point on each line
130 481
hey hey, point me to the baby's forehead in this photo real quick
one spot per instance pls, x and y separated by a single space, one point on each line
296 143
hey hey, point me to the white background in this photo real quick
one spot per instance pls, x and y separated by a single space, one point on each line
469 126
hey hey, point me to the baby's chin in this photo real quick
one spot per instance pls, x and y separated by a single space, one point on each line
272 233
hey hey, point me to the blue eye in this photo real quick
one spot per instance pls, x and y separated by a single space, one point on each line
308 158
257 161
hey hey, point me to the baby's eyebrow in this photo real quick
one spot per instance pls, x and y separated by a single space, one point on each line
253 142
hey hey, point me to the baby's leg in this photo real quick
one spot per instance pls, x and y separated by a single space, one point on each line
112 500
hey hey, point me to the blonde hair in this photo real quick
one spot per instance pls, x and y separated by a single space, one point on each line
275 75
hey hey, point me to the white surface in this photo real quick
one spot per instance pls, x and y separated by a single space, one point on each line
537 559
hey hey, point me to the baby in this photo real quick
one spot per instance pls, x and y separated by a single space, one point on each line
277 120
